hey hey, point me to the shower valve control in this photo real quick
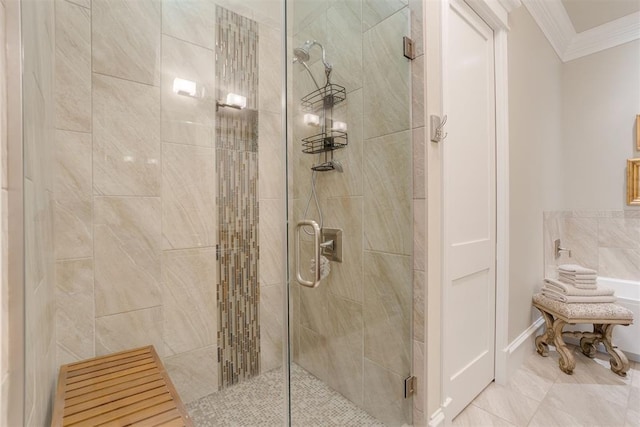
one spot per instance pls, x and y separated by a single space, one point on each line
331 245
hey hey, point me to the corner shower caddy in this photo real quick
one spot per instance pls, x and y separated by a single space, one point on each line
329 139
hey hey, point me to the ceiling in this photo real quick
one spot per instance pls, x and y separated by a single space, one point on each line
577 28
588 14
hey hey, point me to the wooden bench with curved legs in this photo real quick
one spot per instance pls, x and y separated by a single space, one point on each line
603 316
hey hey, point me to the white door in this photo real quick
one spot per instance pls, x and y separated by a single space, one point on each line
469 207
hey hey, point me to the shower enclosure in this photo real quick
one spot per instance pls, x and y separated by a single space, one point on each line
232 182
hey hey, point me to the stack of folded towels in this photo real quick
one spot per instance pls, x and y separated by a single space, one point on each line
576 284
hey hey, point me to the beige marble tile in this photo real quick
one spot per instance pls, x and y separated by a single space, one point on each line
418 418
417 92
387 194
382 399
294 320
188 196
271 160
35 265
419 165
195 374
73 67
573 400
619 233
418 372
266 11
345 362
128 330
83 3
127 254
530 384
633 408
38 28
419 295
272 234
417 27
191 20
375 11
548 416
346 278
419 234
344 43
126 138
387 97
581 236
507 404
349 182
75 317
619 263
73 195
314 308
305 12
34 131
473 416
189 299
126 39
313 355
271 327
187 119
269 69
387 310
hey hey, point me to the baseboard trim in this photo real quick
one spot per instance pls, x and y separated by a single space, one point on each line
512 356
437 418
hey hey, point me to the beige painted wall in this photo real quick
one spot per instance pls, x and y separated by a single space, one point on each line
601 98
535 110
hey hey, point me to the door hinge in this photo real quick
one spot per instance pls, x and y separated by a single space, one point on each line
410 385
408 48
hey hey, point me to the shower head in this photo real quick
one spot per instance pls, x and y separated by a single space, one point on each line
301 54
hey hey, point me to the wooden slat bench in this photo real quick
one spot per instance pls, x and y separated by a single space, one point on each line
120 389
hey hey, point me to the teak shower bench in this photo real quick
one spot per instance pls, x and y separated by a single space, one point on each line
119 389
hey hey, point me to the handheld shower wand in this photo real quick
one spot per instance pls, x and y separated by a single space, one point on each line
301 55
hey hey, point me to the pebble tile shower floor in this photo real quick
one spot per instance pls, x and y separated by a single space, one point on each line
258 402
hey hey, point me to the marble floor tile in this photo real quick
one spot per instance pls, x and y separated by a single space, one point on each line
589 405
472 416
548 416
506 403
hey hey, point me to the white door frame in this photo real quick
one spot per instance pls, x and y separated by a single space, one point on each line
495 13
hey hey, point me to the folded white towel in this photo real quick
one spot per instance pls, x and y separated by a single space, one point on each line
571 299
586 286
571 290
578 276
575 268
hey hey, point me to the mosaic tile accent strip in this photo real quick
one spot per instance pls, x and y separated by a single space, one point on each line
238 290
260 402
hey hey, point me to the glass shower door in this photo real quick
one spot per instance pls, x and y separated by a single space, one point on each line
350 212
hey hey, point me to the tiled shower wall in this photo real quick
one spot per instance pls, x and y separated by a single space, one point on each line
607 241
354 331
38 134
135 192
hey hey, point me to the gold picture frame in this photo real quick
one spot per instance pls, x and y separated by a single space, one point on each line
633 182
638 132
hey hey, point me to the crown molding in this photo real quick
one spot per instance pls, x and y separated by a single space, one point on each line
553 20
611 34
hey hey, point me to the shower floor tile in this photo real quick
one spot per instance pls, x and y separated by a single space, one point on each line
260 402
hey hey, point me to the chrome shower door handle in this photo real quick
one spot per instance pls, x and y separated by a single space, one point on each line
316 253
